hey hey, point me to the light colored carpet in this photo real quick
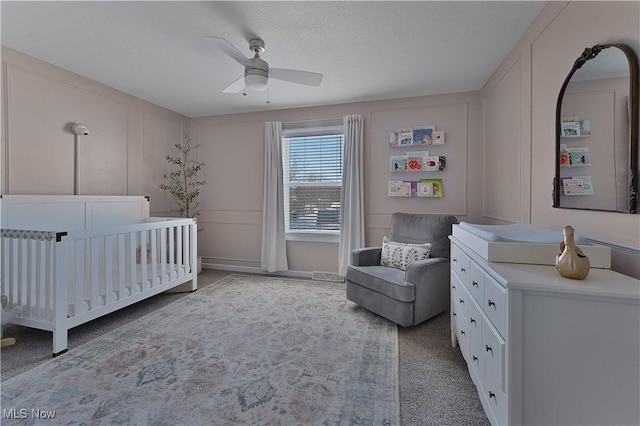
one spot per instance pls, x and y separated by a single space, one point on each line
244 350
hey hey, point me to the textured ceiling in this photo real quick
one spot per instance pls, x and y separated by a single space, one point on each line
366 50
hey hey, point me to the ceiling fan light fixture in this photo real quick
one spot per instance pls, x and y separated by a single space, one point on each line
256 81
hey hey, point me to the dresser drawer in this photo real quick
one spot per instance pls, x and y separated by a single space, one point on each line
476 281
460 263
495 303
462 300
462 332
495 374
476 347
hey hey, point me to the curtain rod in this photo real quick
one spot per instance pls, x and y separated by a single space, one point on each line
311 121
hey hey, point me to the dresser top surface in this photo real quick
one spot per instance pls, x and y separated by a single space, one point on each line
600 282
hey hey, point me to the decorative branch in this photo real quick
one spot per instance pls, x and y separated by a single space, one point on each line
182 183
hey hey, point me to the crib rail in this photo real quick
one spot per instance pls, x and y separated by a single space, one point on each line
56 281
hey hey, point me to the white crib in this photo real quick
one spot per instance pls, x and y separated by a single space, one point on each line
67 260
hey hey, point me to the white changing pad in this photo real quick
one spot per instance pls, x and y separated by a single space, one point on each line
521 243
518 233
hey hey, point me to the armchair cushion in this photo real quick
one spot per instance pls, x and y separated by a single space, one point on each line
399 255
384 280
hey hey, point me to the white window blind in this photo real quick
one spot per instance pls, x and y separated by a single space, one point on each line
313 178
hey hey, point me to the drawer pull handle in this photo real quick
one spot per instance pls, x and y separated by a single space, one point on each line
472 320
455 260
453 287
491 303
492 395
462 332
463 270
461 302
475 358
474 283
454 314
488 348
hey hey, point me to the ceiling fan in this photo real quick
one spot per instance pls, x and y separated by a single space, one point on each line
256 70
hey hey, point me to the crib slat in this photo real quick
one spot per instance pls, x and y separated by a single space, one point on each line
178 249
77 281
185 249
94 251
30 279
132 262
143 259
172 249
7 269
163 254
121 270
41 289
108 270
154 258
22 274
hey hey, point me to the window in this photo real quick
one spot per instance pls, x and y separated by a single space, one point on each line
312 161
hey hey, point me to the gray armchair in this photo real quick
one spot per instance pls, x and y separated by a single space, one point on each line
405 297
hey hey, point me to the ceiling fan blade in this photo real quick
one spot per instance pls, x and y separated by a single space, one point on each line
230 50
296 76
235 87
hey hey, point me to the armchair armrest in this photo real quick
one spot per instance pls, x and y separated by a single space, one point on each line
427 270
366 256
430 278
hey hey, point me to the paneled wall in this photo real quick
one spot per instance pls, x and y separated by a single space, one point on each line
524 91
124 153
233 148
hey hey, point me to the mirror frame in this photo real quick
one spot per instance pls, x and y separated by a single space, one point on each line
588 54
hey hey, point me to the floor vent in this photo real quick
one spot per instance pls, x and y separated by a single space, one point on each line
327 276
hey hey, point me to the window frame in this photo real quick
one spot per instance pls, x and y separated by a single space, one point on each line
313 235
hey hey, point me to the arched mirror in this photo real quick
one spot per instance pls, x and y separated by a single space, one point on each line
597 132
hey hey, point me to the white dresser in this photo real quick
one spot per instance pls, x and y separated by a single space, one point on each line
543 349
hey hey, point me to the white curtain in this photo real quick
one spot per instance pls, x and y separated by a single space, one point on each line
274 244
352 202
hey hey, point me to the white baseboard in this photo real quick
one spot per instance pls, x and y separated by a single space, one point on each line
254 270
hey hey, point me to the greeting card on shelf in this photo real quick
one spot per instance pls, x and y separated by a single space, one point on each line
573 127
422 135
430 188
393 140
425 189
579 156
398 163
416 160
585 128
577 185
405 136
435 163
570 129
398 188
437 137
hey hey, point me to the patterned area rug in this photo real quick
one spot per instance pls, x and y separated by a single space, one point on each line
246 350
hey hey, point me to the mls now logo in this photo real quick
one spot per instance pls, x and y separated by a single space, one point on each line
23 413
